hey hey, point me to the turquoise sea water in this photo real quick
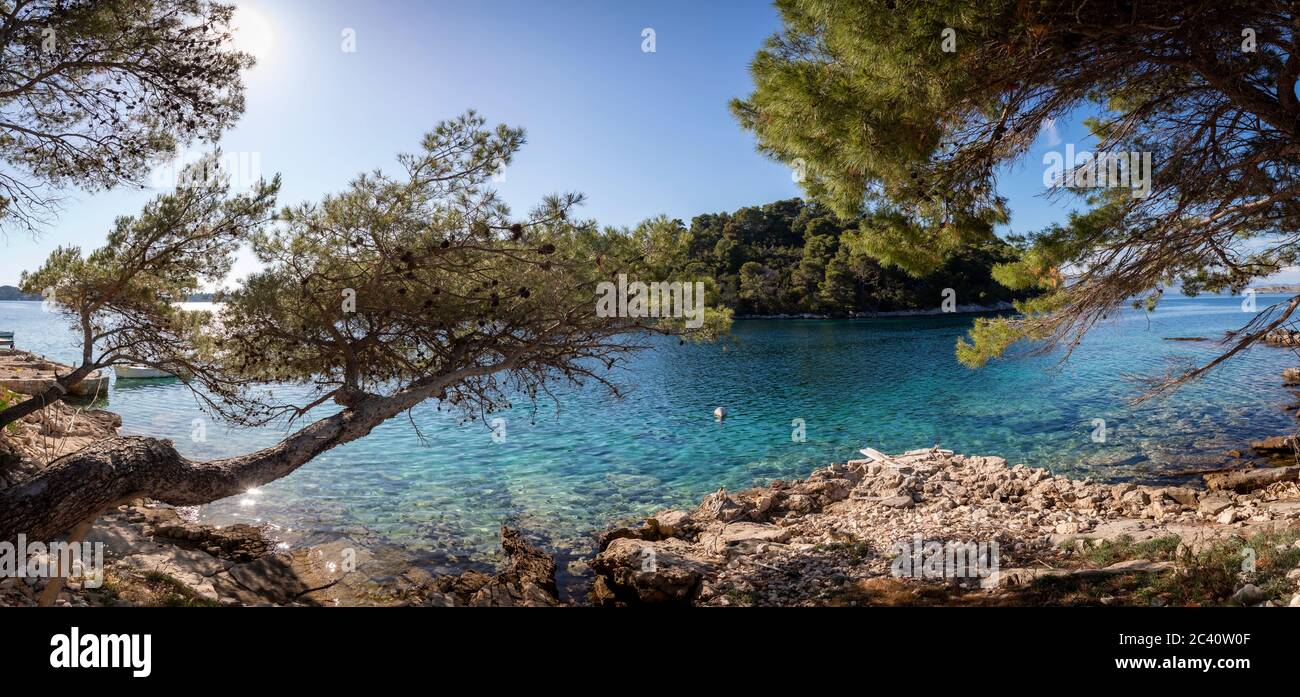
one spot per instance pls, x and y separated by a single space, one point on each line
892 384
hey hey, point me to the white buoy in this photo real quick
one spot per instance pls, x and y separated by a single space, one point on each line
719 413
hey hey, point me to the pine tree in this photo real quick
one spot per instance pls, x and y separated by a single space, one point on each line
93 92
903 114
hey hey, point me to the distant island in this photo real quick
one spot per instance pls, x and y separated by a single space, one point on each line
1281 288
13 293
795 258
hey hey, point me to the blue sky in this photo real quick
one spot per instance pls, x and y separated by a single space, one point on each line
640 133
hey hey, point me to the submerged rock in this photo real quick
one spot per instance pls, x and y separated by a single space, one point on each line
235 565
1290 376
1275 445
1244 481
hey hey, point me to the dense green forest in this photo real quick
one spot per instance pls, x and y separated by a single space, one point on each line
793 257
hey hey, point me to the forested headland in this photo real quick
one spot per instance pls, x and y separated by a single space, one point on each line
794 257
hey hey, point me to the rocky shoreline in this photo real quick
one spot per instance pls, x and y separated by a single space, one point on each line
155 556
29 374
834 537
828 539
838 536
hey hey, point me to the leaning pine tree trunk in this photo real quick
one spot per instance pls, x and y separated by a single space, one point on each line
107 473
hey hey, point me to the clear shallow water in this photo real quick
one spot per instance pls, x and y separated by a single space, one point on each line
892 384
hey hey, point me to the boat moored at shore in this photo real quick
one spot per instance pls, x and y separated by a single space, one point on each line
140 372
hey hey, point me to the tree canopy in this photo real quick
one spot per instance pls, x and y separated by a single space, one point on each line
399 281
792 257
400 289
94 91
121 299
911 109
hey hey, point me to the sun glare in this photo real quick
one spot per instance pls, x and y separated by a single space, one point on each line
252 33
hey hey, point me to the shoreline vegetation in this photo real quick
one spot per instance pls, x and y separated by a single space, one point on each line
15 294
788 258
797 258
835 537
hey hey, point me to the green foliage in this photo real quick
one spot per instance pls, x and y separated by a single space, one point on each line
837 289
859 94
154 588
404 281
395 290
987 339
95 91
1207 575
122 297
9 398
792 257
1211 575
990 337
1123 548
901 115
162 255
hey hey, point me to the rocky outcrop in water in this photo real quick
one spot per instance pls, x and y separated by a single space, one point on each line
1276 447
527 581
1244 481
1282 337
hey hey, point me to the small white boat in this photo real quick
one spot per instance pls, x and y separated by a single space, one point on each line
136 372
875 454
